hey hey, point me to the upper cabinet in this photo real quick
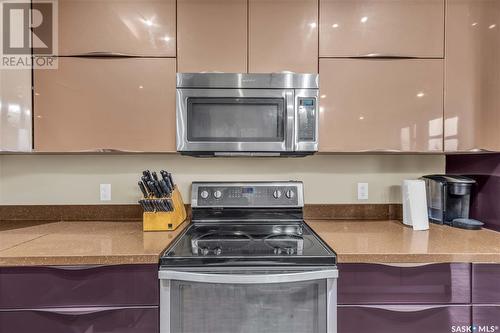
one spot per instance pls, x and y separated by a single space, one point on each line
283 36
212 36
407 28
106 104
381 105
472 75
131 27
15 110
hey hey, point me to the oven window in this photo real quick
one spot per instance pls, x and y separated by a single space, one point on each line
296 307
236 119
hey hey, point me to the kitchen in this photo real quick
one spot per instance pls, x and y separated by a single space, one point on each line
383 92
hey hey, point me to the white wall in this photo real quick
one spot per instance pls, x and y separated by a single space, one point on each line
75 179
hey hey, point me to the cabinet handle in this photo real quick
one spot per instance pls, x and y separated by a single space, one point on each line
84 311
382 56
403 308
104 54
403 265
75 268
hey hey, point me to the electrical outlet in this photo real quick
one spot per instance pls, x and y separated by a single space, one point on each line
105 191
362 191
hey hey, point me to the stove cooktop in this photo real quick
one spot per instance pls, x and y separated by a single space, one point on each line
236 243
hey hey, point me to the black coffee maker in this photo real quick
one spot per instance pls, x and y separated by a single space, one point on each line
449 199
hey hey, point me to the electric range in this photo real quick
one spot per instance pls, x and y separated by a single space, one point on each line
248 254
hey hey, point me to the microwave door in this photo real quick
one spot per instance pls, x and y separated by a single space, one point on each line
235 120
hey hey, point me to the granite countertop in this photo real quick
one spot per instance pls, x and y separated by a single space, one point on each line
81 243
389 241
108 243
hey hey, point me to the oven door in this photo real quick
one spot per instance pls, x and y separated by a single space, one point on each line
248 300
235 120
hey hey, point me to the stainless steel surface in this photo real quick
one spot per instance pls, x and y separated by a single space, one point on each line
240 268
248 278
313 144
246 81
293 119
198 188
232 278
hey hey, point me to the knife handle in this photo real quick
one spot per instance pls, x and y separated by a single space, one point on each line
155 176
143 189
163 185
170 205
167 179
145 181
171 179
159 189
154 188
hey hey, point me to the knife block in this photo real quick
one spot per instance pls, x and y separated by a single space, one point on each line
166 221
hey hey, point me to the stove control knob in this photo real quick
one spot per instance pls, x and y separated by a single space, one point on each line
204 194
277 250
289 250
277 194
217 251
217 194
204 251
289 194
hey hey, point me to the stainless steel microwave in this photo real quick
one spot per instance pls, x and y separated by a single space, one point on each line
229 114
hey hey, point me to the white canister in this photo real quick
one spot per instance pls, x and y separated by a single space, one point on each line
415 204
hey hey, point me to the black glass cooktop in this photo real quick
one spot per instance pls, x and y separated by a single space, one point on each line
248 244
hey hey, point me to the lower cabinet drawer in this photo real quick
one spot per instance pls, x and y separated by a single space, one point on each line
402 318
81 320
400 284
78 286
486 283
486 317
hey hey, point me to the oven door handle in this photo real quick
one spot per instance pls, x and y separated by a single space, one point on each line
248 278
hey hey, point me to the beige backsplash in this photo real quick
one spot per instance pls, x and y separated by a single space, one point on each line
75 179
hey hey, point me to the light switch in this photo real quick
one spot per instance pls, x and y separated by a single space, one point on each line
362 191
105 191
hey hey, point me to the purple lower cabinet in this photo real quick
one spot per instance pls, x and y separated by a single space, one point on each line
486 318
387 284
81 320
77 286
402 318
486 283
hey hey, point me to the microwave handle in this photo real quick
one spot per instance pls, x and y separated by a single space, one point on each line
291 118
248 278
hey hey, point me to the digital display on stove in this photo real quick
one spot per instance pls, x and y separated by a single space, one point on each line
247 190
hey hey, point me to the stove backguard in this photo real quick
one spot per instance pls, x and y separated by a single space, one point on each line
247 201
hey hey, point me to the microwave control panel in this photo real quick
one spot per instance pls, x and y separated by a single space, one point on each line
307 119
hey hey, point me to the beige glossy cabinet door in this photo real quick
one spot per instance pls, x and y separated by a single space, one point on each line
283 36
132 27
106 104
472 80
212 36
15 110
382 27
381 105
